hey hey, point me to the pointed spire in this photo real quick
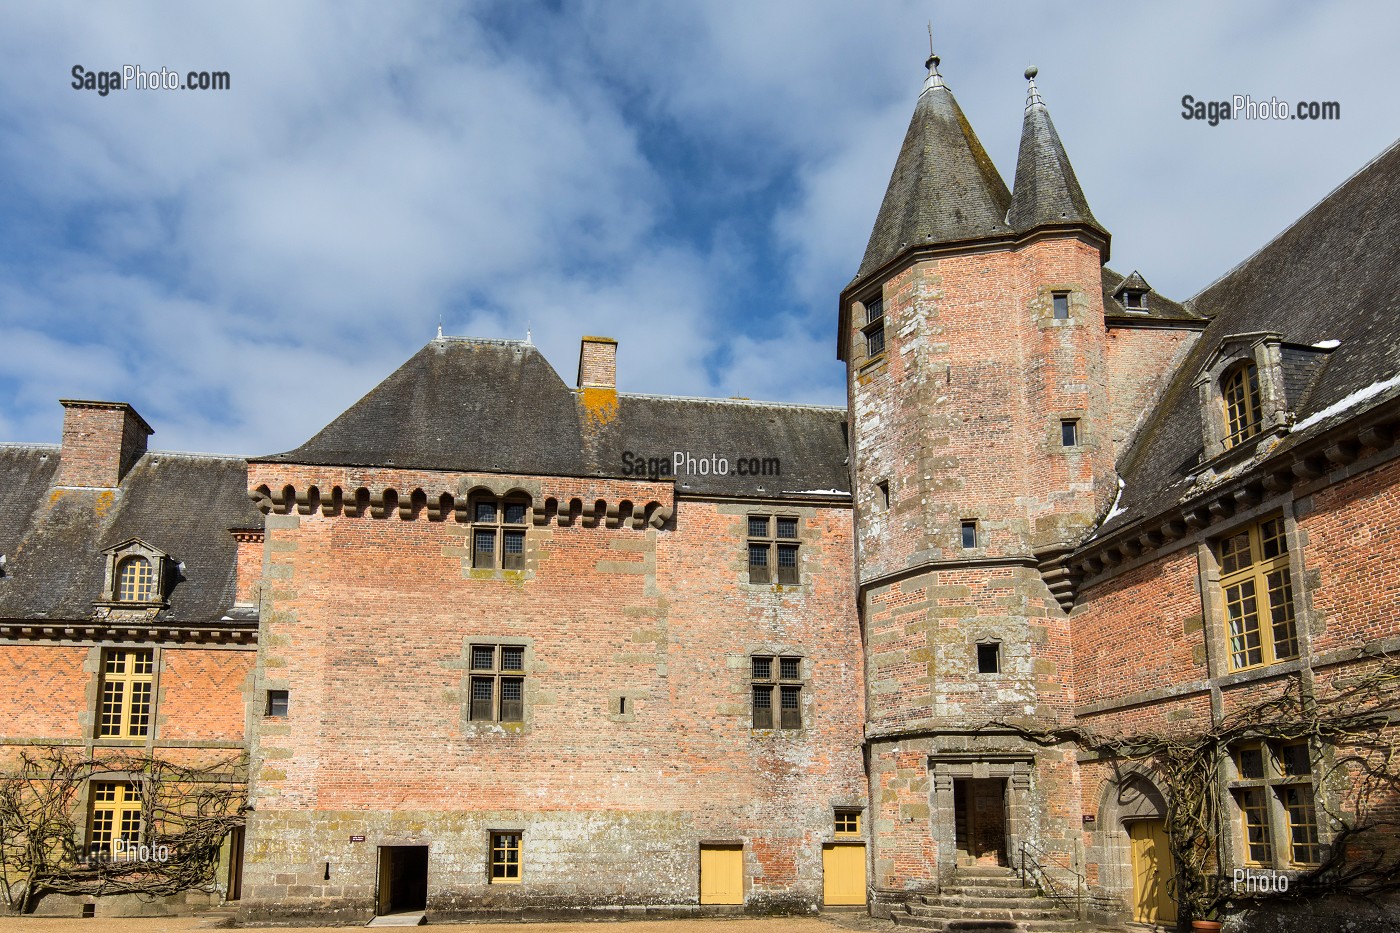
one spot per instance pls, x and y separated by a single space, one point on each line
944 186
1046 190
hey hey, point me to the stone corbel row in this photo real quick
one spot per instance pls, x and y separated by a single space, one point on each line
1270 480
382 503
622 514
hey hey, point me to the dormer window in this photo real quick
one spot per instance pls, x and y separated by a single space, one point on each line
1240 391
1135 300
1132 293
1242 394
136 581
135 577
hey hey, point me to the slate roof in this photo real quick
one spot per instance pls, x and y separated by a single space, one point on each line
52 539
944 186
1331 276
1159 306
1046 190
497 406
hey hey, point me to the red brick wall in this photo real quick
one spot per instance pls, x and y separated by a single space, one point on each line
1138 361
367 625
204 694
45 691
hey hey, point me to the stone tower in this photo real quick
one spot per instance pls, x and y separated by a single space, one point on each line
981 450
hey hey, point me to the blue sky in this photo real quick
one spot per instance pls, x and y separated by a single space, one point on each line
697 180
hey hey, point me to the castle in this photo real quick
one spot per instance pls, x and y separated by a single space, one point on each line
493 643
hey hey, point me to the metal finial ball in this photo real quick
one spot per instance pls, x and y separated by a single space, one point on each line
1031 72
932 63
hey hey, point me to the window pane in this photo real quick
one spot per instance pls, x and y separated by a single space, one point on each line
512 699
790 668
762 707
762 668
113 702
485 511
483 657
1250 762
787 563
139 719
758 563
143 661
848 822
874 309
1271 539
1060 302
278 703
787 528
1234 553
135 582
1069 433
989 659
1285 634
484 548
513 550
512 658
515 513
969 534
482 688
758 526
1293 760
1245 649
1302 824
875 341
1253 812
791 707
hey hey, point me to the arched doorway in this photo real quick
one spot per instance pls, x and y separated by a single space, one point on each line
1136 831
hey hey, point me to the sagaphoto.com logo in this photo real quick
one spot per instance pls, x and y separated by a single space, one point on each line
134 77
684 463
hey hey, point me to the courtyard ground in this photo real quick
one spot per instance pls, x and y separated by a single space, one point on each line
833 923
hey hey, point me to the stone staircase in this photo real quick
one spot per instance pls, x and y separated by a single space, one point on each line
987 899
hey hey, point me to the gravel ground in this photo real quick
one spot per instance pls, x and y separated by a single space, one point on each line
832 923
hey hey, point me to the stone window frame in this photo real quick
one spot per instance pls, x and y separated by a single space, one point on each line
127 681
769 673
121 807
1258 573
1071 433
973 526
1056 304
998 657
1268 785
497 674
772 543
501 529
1265 352
872 326
120 554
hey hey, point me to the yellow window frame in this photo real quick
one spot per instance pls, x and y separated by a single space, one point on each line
1256 584
127 694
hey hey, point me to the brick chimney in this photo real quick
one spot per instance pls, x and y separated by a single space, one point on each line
597 363
101 442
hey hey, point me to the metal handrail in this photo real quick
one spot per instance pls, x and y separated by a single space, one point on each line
1044 883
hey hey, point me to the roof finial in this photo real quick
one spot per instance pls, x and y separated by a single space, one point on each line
529 338
439 336
1033 98
934 78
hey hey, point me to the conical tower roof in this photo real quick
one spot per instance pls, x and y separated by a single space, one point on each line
1046 191
944 186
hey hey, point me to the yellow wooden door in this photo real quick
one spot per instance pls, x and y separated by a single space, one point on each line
1153 869
721 874
843 874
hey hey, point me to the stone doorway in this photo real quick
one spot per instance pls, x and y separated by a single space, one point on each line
979 821
403 879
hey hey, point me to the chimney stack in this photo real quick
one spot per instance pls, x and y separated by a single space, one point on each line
101 442
597 363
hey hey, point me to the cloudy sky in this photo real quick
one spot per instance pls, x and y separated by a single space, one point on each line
696 179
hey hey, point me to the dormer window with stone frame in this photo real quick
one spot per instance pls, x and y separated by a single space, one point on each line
1132 293
1242 393
136 575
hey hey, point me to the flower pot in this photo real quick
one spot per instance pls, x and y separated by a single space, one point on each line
1205 924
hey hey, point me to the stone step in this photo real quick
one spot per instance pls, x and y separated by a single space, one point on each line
904 919
408 918
991 881
948 912
977 890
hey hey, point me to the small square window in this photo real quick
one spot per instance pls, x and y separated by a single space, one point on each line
1069 432
483 657
758 526
1060 303
505 858
848 822
989 658
1249 760
790 668
762 668
969 533
278 703
787 528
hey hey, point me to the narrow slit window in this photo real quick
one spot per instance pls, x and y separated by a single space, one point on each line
969 533
1060 303
874 329
1069 432
882 496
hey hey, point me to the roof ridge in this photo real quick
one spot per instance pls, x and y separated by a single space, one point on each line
21 445
495 341
730 401
203 455
1297 220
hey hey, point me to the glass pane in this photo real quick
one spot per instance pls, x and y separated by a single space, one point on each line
140 721
787 563
1250 762
113 696
143 661
1256 827
762 668
484 548
1245 648
1271 539
483 657
512 658
1293 760
762 707
758 563
1281 615
482 690
512 699
1069 433
485 511
875 341
515 513
1234 553
787 528
758 526
1060 304
513 550
969 534
791 707
874 309
790 668
1302 824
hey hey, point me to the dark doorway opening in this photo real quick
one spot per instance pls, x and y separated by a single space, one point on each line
980 820
234 888
403 879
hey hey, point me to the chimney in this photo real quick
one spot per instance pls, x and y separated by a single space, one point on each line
597 363
249 567
101 442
